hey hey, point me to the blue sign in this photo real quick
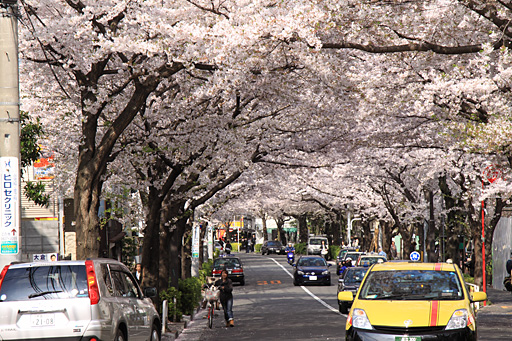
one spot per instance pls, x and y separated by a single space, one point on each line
415 256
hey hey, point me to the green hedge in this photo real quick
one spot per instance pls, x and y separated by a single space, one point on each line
257 247
333 251
301 248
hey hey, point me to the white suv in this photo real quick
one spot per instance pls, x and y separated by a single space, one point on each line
87 300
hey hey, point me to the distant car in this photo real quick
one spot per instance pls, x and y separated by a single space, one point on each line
312 270
370 259
350 281
354 255
234 267
412 301
272 246
94 299
315 243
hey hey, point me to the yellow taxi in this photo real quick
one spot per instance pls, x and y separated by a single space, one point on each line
410 301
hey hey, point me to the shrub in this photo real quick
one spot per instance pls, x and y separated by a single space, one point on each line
301 248
173 297
333 251
206 270
190 289
234 247
257 247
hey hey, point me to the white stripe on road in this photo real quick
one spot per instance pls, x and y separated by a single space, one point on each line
309 292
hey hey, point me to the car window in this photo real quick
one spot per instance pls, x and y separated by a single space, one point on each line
44 282
274 244
354 276
316 241
227 263
412 285
311 262
124 285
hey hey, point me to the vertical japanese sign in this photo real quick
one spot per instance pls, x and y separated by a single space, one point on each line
196 230
9 202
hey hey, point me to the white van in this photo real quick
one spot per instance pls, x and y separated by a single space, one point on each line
314 244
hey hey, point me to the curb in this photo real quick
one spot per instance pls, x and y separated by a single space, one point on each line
174 329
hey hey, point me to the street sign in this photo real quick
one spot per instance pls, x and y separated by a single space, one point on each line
9 203
415 256
492 173
196 231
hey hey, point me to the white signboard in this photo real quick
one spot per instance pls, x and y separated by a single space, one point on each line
44 257
9 203
196 230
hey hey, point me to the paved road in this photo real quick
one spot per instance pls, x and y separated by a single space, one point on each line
270 307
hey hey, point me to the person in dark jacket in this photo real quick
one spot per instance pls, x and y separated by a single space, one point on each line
225 286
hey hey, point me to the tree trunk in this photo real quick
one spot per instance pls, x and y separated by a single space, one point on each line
387 230
432 231
86 204
303 229
264 226
175 254
186 253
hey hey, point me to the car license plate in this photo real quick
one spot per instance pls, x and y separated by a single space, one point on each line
312 278
407 338
42 320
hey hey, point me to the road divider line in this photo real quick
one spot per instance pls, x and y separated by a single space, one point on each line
309 292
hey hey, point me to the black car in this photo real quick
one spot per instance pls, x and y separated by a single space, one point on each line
234 267
272 246
312 270
350 281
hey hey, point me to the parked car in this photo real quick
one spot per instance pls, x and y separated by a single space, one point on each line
95 299
218 246
314 244
353 255
404 301
312 270
370 259
272 246
234 267
350 281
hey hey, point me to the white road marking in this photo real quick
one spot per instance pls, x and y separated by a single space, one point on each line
309 292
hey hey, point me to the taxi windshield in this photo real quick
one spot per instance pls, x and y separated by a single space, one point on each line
412 285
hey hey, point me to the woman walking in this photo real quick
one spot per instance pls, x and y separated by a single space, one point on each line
225 286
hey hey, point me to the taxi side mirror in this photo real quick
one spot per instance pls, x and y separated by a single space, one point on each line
478 296
346 296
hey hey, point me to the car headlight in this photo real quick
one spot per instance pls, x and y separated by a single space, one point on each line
360 320
300 272
459 320
326 272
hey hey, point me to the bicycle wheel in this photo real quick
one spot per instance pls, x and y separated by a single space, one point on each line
210 315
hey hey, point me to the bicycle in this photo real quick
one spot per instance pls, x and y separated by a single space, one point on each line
211 294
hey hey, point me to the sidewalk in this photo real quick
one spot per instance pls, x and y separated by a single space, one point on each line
494 321
190 328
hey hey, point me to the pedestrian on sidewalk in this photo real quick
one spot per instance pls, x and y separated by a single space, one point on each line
225 286
508 278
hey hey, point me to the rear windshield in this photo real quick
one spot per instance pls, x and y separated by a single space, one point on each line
44 282
354 276
221 263
412 285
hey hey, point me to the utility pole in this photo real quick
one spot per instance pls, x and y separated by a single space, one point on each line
10 203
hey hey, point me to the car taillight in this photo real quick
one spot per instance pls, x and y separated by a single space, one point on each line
237 271
2 275
94 292
216 272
